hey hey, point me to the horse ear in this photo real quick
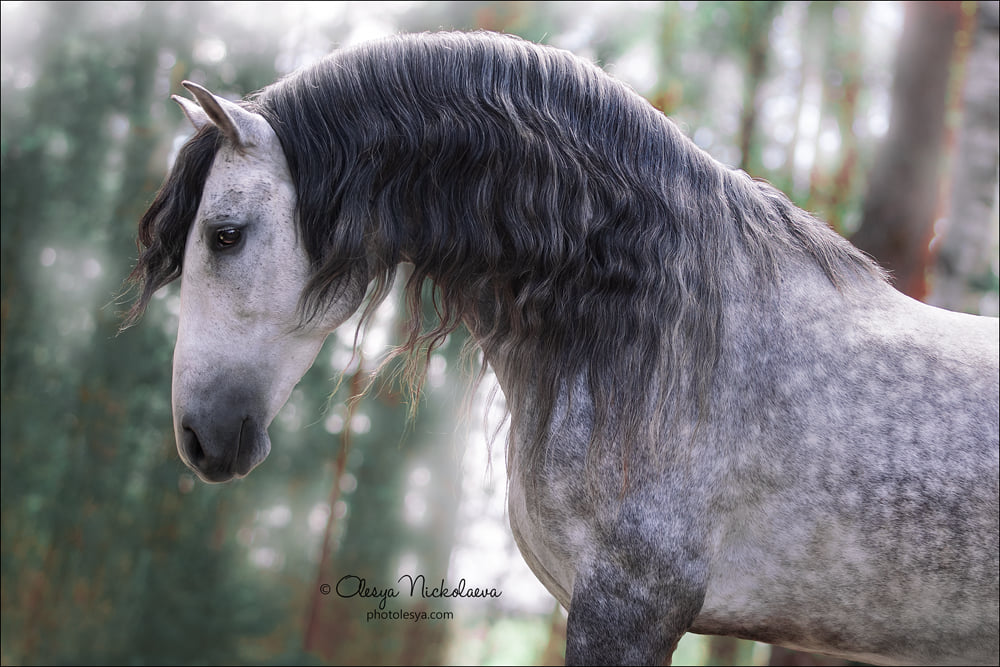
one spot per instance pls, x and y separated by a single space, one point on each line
193 112
240 126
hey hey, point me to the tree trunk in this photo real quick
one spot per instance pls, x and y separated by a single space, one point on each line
967 238
898 216
755 30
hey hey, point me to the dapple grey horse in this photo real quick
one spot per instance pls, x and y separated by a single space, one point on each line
724 419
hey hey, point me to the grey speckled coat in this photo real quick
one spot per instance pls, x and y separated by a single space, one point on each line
842 499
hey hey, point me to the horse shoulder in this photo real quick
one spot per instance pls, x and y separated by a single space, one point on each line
630 567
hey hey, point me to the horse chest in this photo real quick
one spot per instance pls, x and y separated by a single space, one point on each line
550 542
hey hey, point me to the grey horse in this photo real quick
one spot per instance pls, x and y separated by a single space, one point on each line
723 418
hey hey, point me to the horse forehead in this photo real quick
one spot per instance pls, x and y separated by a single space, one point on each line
253 179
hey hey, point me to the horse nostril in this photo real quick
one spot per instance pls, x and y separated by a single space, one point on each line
193 449
217 453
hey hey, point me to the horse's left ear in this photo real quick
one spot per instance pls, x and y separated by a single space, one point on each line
193 112
240 126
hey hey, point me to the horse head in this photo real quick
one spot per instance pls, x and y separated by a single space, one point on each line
242 342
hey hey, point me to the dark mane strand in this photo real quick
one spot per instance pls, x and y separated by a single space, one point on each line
164 226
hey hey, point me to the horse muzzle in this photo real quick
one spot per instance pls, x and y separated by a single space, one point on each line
220 422
219 450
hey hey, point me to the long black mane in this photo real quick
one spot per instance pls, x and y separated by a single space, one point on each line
572 226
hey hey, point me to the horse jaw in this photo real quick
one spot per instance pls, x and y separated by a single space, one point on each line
241 346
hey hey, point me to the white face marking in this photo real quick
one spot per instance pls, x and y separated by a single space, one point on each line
240 347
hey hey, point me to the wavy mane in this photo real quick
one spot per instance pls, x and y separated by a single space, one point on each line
567 222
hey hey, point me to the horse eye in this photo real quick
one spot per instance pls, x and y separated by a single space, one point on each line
227 238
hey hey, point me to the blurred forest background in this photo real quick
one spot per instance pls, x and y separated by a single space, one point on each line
880 117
